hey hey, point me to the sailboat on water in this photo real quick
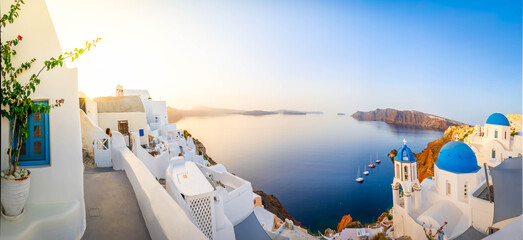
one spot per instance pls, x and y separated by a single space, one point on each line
365 172
371 165
377 160
358 177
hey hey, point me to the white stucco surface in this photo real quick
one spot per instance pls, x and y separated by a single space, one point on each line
514 230
441 199
88 129
157 165
265 218
164 218
62 180
503 145
61 220
136 120
91 107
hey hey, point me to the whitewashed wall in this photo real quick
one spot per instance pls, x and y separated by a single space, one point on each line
159 109
92 110
238 203
406 225
157 165
164 218
62 180
482 211
137 121
88 129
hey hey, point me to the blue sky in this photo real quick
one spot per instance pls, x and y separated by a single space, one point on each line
456 59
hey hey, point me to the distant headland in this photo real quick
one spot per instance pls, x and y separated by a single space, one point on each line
407 118
175 114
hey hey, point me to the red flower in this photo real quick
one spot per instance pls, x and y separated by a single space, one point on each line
19 37
445 223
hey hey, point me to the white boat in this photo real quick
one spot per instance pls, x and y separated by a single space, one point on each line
365 172
377 160
358 177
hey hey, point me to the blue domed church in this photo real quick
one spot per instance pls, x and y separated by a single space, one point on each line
406 178
494 142
454 198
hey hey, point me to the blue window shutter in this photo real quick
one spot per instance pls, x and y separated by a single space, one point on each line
141 132
36 150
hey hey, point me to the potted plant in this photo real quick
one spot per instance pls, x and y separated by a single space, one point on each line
16 107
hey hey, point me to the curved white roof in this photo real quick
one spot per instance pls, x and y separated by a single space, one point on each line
189 180
445 211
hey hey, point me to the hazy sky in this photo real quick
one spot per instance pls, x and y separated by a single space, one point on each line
457 59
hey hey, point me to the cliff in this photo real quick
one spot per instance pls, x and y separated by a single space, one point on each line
200 148
407 118
429 155
273 205
348 222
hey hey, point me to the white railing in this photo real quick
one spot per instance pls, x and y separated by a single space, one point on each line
238 201
156 164
164 218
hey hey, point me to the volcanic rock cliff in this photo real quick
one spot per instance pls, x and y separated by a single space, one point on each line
407 118
429 155
273 205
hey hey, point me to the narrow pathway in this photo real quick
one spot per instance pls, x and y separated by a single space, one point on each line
111 209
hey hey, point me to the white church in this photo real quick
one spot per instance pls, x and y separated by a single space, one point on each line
494 142
457 197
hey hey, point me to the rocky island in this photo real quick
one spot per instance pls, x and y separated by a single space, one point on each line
407 118
175 114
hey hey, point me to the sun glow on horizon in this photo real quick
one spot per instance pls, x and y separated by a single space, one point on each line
328 56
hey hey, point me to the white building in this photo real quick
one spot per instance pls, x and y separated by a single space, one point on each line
124 114
453 198
217 203
55 208
494 141
156 111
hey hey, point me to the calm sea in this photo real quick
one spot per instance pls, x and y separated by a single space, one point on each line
310 162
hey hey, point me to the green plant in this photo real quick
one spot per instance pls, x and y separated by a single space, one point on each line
513 134
16 96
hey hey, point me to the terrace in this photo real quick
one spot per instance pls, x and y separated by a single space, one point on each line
106 191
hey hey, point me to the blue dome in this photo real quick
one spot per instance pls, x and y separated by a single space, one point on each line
498 119
405 154
457 157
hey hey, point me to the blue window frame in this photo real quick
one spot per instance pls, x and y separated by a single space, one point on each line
35 149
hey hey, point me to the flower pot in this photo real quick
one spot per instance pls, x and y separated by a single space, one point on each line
14 194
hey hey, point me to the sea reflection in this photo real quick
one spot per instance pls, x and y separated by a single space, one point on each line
310 161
